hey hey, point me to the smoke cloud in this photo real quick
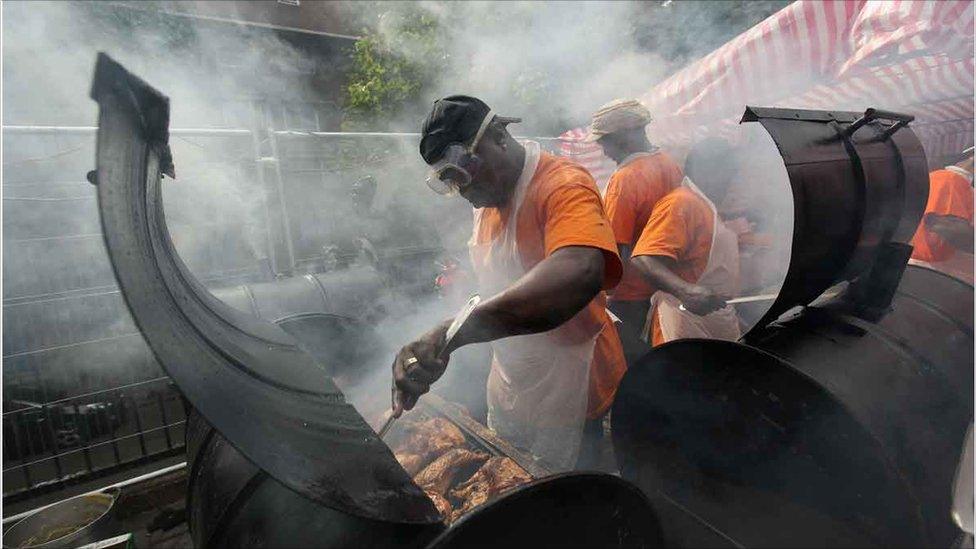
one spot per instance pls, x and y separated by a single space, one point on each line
550 63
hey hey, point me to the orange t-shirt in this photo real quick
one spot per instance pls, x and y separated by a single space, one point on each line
681 228
561 208
950 193
631 194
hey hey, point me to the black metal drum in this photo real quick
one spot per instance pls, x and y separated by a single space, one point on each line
232 504
828 430
562 511
840 423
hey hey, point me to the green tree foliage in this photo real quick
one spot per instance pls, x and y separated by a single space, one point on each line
385 75
408 48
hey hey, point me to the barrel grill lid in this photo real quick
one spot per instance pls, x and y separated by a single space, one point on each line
246 376
859 181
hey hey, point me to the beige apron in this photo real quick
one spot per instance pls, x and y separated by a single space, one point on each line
720 276
538 387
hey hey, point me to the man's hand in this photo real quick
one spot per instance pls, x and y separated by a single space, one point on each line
416 366
701 300
658 270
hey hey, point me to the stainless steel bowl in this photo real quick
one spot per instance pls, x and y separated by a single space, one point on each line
69 523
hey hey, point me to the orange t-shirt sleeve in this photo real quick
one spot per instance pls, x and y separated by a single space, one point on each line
952 195
621 204
668 231
573 215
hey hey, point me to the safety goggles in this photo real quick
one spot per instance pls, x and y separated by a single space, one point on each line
459 164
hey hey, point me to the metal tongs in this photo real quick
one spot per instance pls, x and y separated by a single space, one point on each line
452 331
747 299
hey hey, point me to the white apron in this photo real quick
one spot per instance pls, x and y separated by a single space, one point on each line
960 266
720 276
538 387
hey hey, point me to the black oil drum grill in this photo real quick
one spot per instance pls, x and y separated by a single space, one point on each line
842 421
277 456
837 420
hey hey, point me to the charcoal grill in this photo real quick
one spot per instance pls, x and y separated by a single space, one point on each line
277 456
478 436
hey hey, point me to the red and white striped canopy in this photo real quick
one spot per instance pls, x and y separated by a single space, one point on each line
906 56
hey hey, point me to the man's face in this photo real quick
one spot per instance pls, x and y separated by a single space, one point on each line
612 147
486 190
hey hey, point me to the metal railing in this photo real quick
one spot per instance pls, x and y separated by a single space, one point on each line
49 445
83 396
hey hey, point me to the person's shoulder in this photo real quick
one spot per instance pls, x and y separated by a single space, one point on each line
555 172
651 165
681 199
948 178
680 195
629 170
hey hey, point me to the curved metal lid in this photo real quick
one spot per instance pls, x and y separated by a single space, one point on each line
859 182
246 376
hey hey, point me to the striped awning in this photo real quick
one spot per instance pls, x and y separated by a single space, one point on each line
907 56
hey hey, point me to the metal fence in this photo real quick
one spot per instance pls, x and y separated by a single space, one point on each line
83 395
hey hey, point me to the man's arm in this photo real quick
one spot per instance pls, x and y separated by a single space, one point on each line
544 298
954 230
657 270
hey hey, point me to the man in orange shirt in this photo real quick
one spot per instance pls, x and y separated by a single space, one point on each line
689 255
543 252
944 239
644 175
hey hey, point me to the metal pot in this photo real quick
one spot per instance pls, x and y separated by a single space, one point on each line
75 521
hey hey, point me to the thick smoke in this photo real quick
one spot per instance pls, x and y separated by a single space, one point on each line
550 63
579 55
215 204
559 59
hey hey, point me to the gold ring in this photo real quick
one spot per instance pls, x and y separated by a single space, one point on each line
410 361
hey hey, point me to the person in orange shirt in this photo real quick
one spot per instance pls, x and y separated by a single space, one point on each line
944 239
543 252
689 255
644 175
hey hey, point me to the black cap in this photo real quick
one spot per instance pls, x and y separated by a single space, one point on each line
453 119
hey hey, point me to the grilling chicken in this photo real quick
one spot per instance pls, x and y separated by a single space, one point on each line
412 463
437 476
426 441
496 476
443 506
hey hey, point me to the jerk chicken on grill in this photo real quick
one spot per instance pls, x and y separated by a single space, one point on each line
435 452
496 476
443 506
426 441
438 475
